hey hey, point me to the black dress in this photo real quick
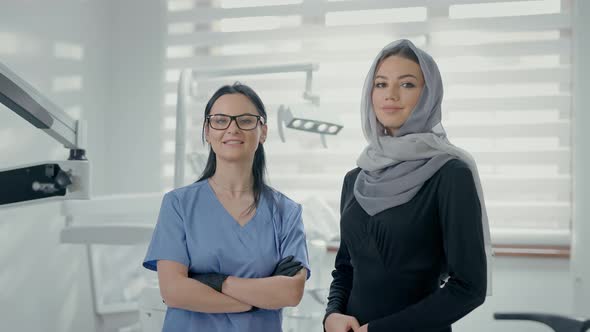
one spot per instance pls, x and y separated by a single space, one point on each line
389 266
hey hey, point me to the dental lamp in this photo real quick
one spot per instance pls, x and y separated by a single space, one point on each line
285 117
63 179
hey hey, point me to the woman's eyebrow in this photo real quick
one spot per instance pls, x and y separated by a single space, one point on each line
399 77
406 75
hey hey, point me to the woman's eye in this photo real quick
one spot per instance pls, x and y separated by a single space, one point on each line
408 85
380 85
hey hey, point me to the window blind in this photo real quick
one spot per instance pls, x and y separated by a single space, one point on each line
506 68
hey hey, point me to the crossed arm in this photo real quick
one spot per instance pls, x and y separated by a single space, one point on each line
238 294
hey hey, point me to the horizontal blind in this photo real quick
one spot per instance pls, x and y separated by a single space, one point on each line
506 69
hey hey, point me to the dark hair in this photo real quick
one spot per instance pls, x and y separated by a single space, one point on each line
403 51
259 164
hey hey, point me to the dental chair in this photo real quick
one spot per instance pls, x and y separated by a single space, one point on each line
152 310
556 322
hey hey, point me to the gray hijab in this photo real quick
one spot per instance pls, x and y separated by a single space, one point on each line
394 168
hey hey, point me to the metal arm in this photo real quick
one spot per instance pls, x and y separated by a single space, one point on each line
22 98
61 179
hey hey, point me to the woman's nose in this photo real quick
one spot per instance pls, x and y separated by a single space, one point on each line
392 94
233 125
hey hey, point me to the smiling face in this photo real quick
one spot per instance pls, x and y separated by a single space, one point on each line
397 86
234 144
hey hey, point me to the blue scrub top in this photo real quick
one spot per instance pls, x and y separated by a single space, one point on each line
194 229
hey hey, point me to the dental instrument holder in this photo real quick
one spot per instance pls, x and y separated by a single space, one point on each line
556 322
185 89
64 179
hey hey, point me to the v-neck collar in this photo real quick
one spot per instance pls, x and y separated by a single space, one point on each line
235 223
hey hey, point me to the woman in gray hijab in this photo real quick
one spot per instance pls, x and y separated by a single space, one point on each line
415 248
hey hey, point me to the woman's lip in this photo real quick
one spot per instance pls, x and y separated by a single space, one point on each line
392 109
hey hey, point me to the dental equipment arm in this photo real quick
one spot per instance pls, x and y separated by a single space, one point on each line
50 179
20 97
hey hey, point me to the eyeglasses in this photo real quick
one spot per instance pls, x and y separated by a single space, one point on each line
244 121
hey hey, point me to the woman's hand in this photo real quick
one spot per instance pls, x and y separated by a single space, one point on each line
287 267
341 323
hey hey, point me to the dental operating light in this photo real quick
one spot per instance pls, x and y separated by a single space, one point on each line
285 117
68 179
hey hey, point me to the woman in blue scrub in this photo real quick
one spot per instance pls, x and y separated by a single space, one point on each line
230 251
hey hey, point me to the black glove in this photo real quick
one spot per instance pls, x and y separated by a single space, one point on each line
213 280
287 267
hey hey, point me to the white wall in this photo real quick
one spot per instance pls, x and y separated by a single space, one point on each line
581 102
44 283
136 77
